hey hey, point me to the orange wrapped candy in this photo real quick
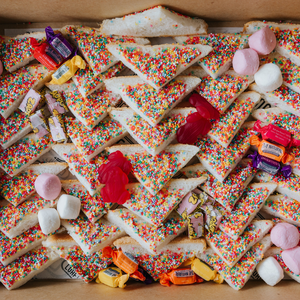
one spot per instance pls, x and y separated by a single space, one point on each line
179 277
125 261
270 150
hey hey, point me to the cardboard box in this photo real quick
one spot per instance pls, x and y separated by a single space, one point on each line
32 14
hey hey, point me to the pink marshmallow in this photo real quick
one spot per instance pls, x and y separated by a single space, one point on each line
285 236
245 62
48 186
291 258
1 67
263 41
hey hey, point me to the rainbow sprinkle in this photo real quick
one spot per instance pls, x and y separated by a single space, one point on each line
228 192
244 211
162 67
221 160
86 266
22 153
224 130
12 126
153 208
224 46
151 235
90 110
222 91
287 96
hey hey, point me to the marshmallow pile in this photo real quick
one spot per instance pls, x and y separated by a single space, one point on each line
246 61
48 186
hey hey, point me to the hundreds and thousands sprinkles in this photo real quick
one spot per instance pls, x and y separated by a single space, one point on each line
288 96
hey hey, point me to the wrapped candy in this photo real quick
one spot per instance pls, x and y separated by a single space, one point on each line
179 277
270 150
112 277
269 165
57 129
212 218
59 43
46 55
56 103
125 261
275 134
195 225
67 70
39 124
31 102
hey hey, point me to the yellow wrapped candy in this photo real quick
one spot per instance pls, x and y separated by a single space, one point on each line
112 277
67 70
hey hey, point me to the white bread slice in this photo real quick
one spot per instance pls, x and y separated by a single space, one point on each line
26 267
224 46
92 237
167 259
153 22
150 104
220 161
238 275
91 45
12 249
152 139
91 142
150 237
267 115
283 97
284 208
87 82
285 33
18 188
66 87
86 266
246 208
30 148
222 91
231 250
276 253
32 77
155 209
287 186
13 128
173 57
92 206
224 130
290 71
232 188
153 172
16 220
84 171
18 51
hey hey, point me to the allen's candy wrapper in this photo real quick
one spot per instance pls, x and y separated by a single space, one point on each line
59 43
212 218
67 70
46 55
190 202
39 124
112 277
269 165
275 134
30 102
125 261
203 270
56 103
270 150
57 129
195 225
179 277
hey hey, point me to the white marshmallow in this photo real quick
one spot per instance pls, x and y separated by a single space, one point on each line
49 220
268 77
270 271
68 207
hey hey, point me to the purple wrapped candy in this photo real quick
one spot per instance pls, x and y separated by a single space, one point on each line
269 165
149 279
59 43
